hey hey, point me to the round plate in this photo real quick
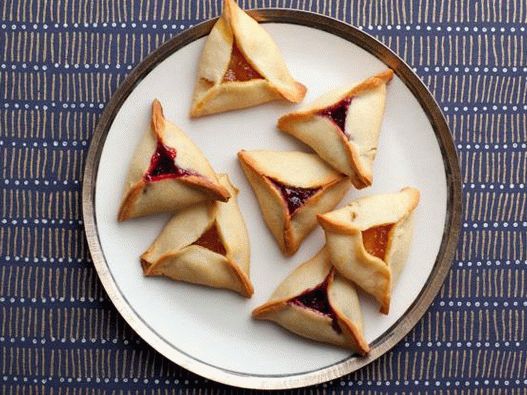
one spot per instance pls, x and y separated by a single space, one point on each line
209 331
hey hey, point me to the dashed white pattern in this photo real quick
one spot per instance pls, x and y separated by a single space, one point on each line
492 185
443 303
447 382
486 303
67 66
37 221
52 299
63 340
53 104
505 224
29 143
84 379
506 262
37 259
122 25
487 107
125 341
477 146
118 66
438 28
39 181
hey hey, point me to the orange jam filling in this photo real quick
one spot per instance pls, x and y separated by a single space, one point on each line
239 69
375 240
210 239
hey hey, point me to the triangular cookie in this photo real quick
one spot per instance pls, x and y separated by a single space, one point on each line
314 301
168 172
205 244
292 188
240 67
369 240
343 126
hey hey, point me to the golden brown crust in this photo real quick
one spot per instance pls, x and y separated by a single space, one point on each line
227 97
149 268
344 227
158 119
213 95
175 253
214 189
280 310
358 179
351 228
373 82
128 201
360 345
288 246
368 84
352 164
294 91
291 240
247 286
290 230
256 181
145 198
208 188
329 177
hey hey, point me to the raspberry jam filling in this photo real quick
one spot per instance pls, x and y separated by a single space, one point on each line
239 69
375 240
317 299
294 196
337 113
163 165
210 239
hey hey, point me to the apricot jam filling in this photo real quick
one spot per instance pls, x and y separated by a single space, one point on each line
239 68
210 239
375 240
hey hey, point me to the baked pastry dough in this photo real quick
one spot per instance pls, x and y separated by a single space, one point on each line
369 240
240 67
205 244
343 126
168 172
292 188
316 302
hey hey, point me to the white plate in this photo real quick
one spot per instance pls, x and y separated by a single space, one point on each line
213 328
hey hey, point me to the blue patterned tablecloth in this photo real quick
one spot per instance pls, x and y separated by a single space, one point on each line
60 62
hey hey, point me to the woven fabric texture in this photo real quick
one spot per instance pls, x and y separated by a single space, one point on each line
60 62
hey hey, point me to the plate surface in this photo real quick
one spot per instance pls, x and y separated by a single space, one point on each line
210 331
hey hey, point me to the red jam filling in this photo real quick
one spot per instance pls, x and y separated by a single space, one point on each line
239 69
375 240
317 299
337 113
210 239
163 165
294 196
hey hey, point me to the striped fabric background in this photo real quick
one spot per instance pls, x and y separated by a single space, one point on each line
61 60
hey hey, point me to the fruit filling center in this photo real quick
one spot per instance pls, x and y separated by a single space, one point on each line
210 239
163 165
294 196
375 240
337 113
239 69
317 299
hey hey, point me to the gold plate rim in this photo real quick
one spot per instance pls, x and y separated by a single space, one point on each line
436 278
